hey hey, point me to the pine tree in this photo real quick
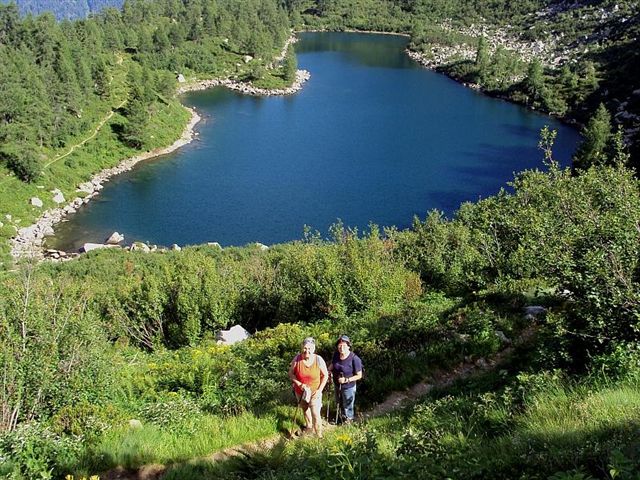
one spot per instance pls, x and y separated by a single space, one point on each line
597 136
290 66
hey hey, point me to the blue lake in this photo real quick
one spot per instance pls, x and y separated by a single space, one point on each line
372 137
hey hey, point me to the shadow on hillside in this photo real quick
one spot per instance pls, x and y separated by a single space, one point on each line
513 455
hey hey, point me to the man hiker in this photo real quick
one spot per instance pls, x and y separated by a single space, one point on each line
309 375
346 368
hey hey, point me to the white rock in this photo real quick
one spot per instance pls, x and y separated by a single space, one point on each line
86 187
234 335
114 239
181 78
261 246
140 247
135 424
36 202
502 337
176 247
87 247
533 312
48 231
214 244
58 197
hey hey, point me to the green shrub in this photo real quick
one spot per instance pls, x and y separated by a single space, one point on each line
34 451
22 160
53 351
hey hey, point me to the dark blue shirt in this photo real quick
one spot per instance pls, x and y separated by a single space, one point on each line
346 368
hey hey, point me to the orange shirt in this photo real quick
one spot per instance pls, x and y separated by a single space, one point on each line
307 375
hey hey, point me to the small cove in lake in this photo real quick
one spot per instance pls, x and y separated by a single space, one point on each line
371 137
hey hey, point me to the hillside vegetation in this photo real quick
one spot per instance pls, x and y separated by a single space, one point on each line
111 360
61 80
90 344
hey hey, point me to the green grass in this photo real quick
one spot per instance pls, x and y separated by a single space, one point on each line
585 428
151 444
576 414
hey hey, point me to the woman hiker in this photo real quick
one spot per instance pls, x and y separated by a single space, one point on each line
309 375
346 368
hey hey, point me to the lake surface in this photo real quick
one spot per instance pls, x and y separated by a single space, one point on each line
372 137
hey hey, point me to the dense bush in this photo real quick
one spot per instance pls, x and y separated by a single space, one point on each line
576 233
53 351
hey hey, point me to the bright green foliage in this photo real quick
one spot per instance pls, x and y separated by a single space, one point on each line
597 136
443 252
22 160
53 351
290 66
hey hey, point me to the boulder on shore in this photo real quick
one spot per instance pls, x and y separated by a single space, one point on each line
87 247
140 247
58 197
114 239
36 202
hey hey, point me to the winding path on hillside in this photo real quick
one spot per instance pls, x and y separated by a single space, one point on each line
394 402
73 148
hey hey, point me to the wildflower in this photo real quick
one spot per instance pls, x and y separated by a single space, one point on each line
68 477
345 438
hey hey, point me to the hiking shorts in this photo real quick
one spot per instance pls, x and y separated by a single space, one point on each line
316 402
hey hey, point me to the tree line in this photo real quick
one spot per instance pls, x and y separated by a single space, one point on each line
52 74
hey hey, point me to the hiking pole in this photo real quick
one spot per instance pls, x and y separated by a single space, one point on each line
292 432
328 401
338 402
329 395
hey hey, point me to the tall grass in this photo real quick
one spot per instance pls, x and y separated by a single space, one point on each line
151 444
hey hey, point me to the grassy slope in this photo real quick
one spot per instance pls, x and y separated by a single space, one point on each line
498 425
100 152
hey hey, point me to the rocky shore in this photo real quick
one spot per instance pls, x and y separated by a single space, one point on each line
301 77
28 242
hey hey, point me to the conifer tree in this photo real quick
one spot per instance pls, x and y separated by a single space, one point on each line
597 136
290 65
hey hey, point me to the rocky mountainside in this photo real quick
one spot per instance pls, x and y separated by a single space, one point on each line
64 9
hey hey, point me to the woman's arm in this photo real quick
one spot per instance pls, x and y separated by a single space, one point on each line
324 373
292 373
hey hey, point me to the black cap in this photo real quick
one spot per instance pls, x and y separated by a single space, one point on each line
345 339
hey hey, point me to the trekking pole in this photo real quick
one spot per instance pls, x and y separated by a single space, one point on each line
328 401
295 420
338 402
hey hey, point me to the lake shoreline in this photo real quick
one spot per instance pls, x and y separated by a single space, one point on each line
29 241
